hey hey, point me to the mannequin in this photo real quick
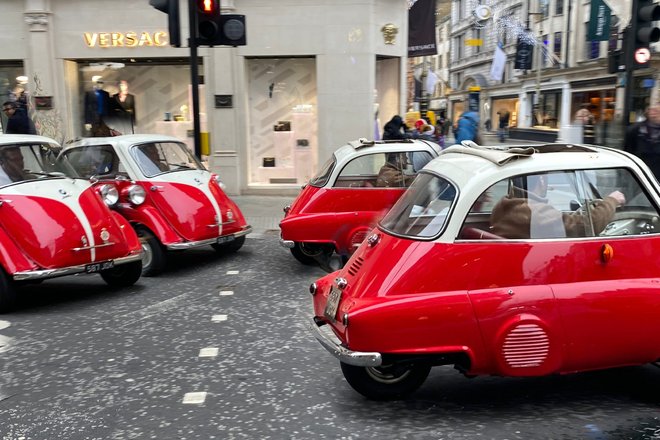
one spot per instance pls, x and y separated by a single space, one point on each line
97 106
123 109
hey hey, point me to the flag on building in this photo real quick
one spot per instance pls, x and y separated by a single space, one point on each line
499 62
421 29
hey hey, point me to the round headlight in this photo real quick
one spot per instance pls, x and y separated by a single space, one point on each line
136 194
109 194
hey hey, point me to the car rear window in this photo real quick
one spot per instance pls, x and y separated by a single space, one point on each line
321 178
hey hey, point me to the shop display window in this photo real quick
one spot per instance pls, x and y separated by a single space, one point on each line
283 120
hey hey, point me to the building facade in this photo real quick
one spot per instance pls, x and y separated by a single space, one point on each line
567 72
312 76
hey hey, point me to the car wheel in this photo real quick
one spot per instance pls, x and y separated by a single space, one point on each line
386 382
309 253
124 275
153 257
7 293
232 246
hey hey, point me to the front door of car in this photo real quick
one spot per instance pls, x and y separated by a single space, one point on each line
186 202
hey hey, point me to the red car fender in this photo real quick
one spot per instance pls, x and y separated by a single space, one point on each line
12 258
151 218
130 237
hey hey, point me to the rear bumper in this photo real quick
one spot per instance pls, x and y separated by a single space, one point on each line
71 270
332 344
193 244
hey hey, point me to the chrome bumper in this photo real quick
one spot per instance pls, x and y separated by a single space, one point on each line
71 270
289 244
332 344
192 244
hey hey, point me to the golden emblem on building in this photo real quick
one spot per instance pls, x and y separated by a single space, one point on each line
389 33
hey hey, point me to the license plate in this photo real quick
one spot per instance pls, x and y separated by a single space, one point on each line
98 267
225 239
333 304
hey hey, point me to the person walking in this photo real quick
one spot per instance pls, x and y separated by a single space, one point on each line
643 139
467 127
395 129
585 118
18 121
503 124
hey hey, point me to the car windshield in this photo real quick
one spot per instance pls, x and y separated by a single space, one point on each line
423 210
155 158
321 178
93 160
26 162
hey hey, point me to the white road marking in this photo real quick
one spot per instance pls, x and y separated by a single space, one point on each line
208 352
232 272
219 318
194 398
5 324
226 292
5 343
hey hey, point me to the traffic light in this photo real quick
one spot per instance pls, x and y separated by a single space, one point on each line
644 31
215 29
171 8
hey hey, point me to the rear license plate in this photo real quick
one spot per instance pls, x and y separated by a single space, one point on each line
333 304
98 267
225 239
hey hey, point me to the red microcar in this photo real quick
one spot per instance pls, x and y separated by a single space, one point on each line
520 261
166 194
352 191
53 224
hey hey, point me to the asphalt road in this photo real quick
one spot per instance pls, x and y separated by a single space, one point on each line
216 348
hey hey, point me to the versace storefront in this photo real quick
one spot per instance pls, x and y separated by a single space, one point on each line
312 77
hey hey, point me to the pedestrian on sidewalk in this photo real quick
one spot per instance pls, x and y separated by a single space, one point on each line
18 121
643 139
503 124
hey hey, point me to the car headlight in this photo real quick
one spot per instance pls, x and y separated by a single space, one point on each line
109 194
136 194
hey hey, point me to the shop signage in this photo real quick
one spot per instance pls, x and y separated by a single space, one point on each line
524 53
126 39
599 21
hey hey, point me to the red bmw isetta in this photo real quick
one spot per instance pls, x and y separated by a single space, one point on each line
166 194
53 224
522 261
352 191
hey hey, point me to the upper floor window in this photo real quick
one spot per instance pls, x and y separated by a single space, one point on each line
559 7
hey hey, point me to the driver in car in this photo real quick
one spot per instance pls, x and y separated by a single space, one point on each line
391 174
11 160
526 214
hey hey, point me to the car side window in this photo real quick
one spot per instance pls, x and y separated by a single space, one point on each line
361 172
563 204
97 160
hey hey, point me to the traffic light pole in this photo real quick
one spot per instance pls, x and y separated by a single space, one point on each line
194 76
628 55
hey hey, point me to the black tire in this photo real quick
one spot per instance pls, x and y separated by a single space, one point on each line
154 257
386 382
7 293
308 253
124 275
232 246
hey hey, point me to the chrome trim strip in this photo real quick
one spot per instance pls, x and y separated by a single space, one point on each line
86 248
52 273
357 358
192 244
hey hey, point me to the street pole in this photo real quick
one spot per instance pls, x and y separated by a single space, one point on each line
194 76
424 103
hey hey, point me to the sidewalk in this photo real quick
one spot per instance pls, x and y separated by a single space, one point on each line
263 213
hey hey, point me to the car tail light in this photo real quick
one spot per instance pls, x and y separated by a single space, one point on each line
136 194
109 194
219 182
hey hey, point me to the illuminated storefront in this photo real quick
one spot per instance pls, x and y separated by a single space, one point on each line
311 78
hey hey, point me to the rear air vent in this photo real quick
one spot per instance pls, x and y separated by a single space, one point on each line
526 346
355 266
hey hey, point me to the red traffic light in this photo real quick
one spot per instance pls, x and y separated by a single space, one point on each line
208 6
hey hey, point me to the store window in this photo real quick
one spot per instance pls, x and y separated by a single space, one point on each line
601 105
138 96
12 85
547 112
283 117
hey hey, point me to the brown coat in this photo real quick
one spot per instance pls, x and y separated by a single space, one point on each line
532 216
391 176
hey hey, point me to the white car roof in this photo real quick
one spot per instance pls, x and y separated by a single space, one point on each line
123 141
349 150
7 139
